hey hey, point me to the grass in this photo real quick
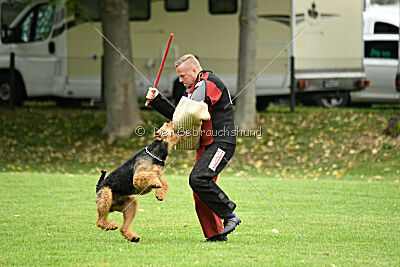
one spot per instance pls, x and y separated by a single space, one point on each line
49 219
312 142
333 173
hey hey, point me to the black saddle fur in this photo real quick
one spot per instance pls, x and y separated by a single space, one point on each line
121 179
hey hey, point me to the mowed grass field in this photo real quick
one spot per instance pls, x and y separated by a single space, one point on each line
333 173
49 219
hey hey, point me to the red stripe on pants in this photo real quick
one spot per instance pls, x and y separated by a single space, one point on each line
209 221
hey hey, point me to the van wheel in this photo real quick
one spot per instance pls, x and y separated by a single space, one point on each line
7 96
332 100
262 103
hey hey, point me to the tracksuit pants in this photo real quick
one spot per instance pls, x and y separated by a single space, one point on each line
211 203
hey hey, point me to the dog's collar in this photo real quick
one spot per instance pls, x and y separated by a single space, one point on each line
153 156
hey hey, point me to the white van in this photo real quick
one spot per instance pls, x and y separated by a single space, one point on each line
55 56
381 58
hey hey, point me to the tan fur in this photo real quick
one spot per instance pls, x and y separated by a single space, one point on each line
146 177
104 202
129 215
161 192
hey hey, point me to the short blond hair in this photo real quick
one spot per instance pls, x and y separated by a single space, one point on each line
190 58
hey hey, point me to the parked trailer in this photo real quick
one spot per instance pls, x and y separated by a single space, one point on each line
58 55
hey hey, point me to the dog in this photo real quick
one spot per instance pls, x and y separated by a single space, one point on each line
138 175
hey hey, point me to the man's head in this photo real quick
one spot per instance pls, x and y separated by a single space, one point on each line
187 68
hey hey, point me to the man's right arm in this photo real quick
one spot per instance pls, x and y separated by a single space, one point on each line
162 105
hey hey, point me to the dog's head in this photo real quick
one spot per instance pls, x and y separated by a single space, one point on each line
167 134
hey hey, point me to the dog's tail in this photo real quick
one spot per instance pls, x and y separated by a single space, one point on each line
103 174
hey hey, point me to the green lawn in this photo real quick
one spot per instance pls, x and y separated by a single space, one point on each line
332 173
49 219
345 143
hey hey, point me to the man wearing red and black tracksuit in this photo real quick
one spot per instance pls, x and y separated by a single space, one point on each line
217 146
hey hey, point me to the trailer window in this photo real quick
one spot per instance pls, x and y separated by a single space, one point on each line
176 5
139 9
222 6
89 10
381 27
381 49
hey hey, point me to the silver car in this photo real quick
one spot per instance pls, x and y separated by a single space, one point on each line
381 59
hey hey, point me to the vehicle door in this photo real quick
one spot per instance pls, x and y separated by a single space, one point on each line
34 56
380 62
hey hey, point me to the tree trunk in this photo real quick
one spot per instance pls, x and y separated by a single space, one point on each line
121 101
246 102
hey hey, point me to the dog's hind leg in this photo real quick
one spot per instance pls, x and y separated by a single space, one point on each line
161 192
129 215
104 202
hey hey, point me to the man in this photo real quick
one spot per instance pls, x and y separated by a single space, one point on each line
179 89
217 146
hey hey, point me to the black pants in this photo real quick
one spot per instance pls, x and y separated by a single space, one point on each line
201 178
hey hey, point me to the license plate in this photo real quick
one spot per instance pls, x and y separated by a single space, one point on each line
331 83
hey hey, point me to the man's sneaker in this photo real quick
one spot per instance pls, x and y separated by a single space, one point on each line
217 238
230 225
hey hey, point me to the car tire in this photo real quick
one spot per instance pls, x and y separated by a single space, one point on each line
7 96
332 100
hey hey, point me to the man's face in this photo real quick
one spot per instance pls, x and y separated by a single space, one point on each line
187 74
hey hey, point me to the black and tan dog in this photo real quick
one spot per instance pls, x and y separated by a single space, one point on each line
138 175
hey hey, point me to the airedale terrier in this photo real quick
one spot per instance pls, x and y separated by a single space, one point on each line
138 175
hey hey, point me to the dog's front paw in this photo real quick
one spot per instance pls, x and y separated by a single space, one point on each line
161 194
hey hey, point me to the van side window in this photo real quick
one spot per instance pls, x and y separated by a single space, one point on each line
381 27
222 6
36 26
381 49
44 22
